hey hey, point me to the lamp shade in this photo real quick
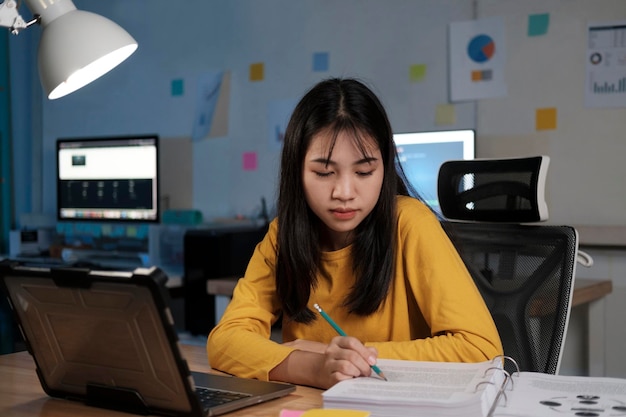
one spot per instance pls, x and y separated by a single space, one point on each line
78 47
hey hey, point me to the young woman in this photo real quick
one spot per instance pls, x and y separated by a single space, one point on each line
350 238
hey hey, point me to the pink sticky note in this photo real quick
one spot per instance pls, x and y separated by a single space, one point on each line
249 161
291 413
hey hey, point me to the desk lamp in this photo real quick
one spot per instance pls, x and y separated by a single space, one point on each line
76 47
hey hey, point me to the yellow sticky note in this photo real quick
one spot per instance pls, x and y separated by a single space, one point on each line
257 71
545 118
445 114
417 72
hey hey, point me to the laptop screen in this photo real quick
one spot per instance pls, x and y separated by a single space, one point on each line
101 337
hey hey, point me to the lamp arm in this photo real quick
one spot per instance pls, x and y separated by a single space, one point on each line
10 17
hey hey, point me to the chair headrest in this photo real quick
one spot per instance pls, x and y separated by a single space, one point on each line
508 190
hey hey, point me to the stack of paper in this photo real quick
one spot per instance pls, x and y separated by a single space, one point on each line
422 388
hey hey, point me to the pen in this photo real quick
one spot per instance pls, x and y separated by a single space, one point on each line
342 333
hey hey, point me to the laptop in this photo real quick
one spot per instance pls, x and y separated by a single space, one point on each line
107 339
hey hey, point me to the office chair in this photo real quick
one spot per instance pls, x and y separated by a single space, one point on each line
524 272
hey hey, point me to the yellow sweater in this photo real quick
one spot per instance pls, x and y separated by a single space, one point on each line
433 311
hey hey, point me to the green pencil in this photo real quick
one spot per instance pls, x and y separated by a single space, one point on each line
342 333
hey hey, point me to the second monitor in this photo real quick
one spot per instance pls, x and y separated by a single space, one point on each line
422 153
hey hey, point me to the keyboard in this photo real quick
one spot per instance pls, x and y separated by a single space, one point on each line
212 397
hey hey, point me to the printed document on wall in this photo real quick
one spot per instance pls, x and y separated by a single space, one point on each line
605 83
477 59
212 105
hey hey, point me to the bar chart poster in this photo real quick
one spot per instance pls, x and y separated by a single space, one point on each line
477 58
605 84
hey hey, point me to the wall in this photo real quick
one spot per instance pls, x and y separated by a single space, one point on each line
376 41
585 179
586 184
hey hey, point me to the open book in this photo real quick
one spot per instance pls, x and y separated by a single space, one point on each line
476 390
422 388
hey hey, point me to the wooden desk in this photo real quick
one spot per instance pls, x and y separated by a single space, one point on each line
21 394
586 290
590 295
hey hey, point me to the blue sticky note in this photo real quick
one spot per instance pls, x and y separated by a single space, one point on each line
178 87
320 61
538 24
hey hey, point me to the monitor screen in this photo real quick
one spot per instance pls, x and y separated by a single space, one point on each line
108 179
422 153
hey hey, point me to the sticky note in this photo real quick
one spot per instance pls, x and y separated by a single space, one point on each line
257 71
249 161
131 231
291 413
324 412
545 118
445 114
417 72
538 24
330 412
178 87
320 61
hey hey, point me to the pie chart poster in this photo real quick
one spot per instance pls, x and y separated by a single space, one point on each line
477 59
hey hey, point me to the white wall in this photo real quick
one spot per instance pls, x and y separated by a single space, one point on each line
586 176
585 180
374 40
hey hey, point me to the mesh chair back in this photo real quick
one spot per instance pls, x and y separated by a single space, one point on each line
526 275
524 272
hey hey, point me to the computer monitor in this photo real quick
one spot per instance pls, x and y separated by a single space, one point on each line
108 179
422 153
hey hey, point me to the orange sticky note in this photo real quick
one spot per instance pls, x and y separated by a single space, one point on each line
257 71
545 119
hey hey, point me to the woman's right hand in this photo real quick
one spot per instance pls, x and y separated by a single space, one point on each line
344 358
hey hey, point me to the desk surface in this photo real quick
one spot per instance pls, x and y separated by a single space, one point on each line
21 394
586 290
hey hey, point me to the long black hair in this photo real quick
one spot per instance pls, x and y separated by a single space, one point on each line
337 105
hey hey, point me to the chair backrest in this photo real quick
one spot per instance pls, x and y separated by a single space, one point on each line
524 272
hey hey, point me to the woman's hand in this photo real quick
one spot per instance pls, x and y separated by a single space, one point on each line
322 366
346 357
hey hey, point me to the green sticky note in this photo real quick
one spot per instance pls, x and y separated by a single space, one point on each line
417 72
538 24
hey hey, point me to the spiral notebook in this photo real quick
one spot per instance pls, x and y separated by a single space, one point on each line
482 389
107 338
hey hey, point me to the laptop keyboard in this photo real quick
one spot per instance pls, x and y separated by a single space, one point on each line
212 397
